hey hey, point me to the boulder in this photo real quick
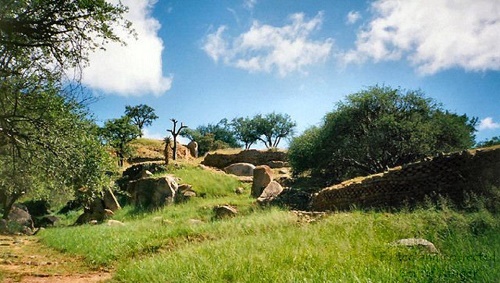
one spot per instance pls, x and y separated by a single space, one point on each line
110 201
95 212
19 221
184 193
151 193
225 211
193 149
240 169
262 176
272 190
416 242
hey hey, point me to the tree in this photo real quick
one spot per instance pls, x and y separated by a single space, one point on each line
141 115
49 37
118 133
47 143
376 129
273 127
175 132
213 137
245 130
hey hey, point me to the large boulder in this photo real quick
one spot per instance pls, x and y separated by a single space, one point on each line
262 176
151 193
18 221
193 148
271 191
240 169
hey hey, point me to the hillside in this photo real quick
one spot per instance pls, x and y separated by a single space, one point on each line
265 244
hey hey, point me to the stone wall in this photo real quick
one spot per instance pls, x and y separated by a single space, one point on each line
255 157
448 175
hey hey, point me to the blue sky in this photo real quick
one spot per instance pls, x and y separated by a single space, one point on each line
202 61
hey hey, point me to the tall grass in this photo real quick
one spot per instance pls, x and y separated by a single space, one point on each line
348 247
184 243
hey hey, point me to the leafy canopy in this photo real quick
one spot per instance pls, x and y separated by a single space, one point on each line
141 115
376 129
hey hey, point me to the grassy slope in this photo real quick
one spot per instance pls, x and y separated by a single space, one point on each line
272 245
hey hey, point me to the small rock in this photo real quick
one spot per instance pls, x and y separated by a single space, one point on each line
415 242
223 211
239 191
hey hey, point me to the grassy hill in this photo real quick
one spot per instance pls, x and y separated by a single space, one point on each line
186 243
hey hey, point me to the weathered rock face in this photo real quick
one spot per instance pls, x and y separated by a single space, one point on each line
152 193
240 169
193 148
262 176
252 156
450 175
272 190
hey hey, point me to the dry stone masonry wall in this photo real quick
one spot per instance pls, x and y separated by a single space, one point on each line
449 175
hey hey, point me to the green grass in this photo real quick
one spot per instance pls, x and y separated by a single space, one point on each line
273 245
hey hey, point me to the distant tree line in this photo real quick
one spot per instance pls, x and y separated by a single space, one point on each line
270 129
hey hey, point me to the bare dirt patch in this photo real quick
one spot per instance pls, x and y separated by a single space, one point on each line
25 259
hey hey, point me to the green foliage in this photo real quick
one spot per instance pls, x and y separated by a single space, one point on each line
376 129
212 137
141 115
50 145
118 133
49 37
245 130
491 142
47 144
273 127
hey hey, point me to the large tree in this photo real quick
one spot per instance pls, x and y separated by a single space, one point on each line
245 130
48 144
376 129
118 133
141 115
46 140
274 127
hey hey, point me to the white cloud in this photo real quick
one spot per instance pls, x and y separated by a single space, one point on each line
488 124
249 4
433 35
265 48
353 17
134 69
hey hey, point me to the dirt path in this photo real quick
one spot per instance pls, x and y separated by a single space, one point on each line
24 259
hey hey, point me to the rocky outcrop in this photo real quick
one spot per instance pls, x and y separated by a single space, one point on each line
272 190
252 156
262 176
151 193
18 221
450 175
240 169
